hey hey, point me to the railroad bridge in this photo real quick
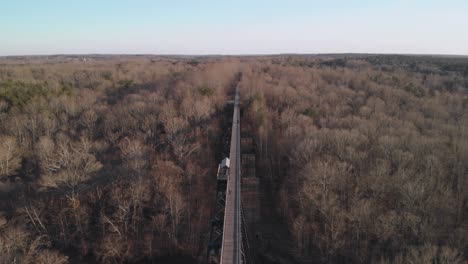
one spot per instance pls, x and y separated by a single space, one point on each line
228 242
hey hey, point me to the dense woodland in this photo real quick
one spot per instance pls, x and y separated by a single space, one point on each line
112 159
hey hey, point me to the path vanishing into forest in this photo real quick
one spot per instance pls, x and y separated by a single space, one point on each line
231 251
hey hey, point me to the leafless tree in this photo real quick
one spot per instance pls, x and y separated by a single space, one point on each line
10 159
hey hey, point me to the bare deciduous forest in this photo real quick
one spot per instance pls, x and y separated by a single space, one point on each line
112 159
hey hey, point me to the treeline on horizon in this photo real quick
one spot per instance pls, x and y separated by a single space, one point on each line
113 160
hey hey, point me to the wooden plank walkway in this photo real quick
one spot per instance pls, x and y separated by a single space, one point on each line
231 246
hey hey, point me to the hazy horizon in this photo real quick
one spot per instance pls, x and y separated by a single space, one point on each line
241 28
231 55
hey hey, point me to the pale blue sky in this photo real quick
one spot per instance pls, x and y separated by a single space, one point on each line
233 27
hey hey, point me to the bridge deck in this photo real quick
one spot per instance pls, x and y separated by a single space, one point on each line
231 246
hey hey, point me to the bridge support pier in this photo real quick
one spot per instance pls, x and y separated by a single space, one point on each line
217 222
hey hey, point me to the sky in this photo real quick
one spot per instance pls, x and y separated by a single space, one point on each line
44 27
